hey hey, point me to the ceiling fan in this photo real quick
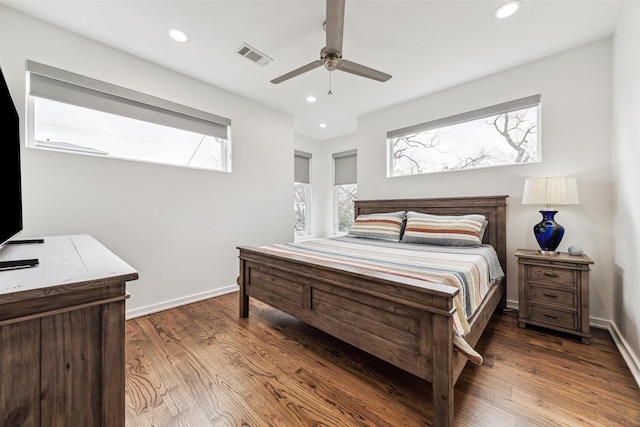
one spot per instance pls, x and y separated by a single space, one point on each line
331 54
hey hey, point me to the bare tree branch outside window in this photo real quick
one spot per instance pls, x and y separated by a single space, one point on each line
506 138
300 207
345 196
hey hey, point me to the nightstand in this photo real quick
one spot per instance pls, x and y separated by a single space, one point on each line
554 292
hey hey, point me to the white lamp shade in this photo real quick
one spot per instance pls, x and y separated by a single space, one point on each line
550 191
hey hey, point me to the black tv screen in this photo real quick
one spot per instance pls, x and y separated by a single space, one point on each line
10 178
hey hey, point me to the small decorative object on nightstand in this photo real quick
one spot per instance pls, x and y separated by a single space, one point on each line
575 250
554 292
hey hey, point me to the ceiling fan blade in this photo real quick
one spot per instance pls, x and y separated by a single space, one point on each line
361 70
335 26
312 65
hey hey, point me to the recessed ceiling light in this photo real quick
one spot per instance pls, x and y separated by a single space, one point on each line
178 35
323 125
507 9
311 99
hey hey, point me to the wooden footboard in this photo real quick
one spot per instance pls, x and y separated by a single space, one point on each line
400 322
396 319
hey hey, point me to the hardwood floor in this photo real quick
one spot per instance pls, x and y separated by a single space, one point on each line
201 365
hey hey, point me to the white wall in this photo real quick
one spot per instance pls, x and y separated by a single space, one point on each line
178 227
626 177
576 140
1 12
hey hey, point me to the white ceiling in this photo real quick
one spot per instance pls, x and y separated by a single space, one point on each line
427 45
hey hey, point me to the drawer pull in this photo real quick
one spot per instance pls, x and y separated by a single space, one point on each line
550 274
550 295
553 316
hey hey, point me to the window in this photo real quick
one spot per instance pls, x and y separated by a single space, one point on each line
72 113
301 193
345 189
503 134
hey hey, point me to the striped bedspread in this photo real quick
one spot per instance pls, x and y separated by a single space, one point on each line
472 270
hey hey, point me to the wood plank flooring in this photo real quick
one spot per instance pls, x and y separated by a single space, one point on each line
201 365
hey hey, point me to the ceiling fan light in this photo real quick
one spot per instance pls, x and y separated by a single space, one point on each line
507 9
331 63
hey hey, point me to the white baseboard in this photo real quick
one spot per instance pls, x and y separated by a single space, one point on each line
513 304
143 311
627 354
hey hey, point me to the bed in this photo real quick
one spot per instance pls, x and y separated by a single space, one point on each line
415 321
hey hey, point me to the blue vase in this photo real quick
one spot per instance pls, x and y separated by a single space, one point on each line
548 232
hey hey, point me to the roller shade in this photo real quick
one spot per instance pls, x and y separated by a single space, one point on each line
64 86
493 110
302 167
345 168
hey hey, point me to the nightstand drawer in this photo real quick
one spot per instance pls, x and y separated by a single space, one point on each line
561 276
545 294
559 318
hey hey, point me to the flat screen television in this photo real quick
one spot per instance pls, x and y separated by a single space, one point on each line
10 176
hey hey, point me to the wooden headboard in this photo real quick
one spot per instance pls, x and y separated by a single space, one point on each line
494 208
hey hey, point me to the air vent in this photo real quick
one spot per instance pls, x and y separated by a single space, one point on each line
254 55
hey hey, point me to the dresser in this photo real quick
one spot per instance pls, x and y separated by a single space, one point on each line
62 334
554 292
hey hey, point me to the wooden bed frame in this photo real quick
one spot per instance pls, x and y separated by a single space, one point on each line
398 320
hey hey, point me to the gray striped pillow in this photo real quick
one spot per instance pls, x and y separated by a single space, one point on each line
383 226
463 230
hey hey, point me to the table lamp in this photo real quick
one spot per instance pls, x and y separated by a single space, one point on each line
549 192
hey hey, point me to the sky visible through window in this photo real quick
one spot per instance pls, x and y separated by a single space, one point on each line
71 128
